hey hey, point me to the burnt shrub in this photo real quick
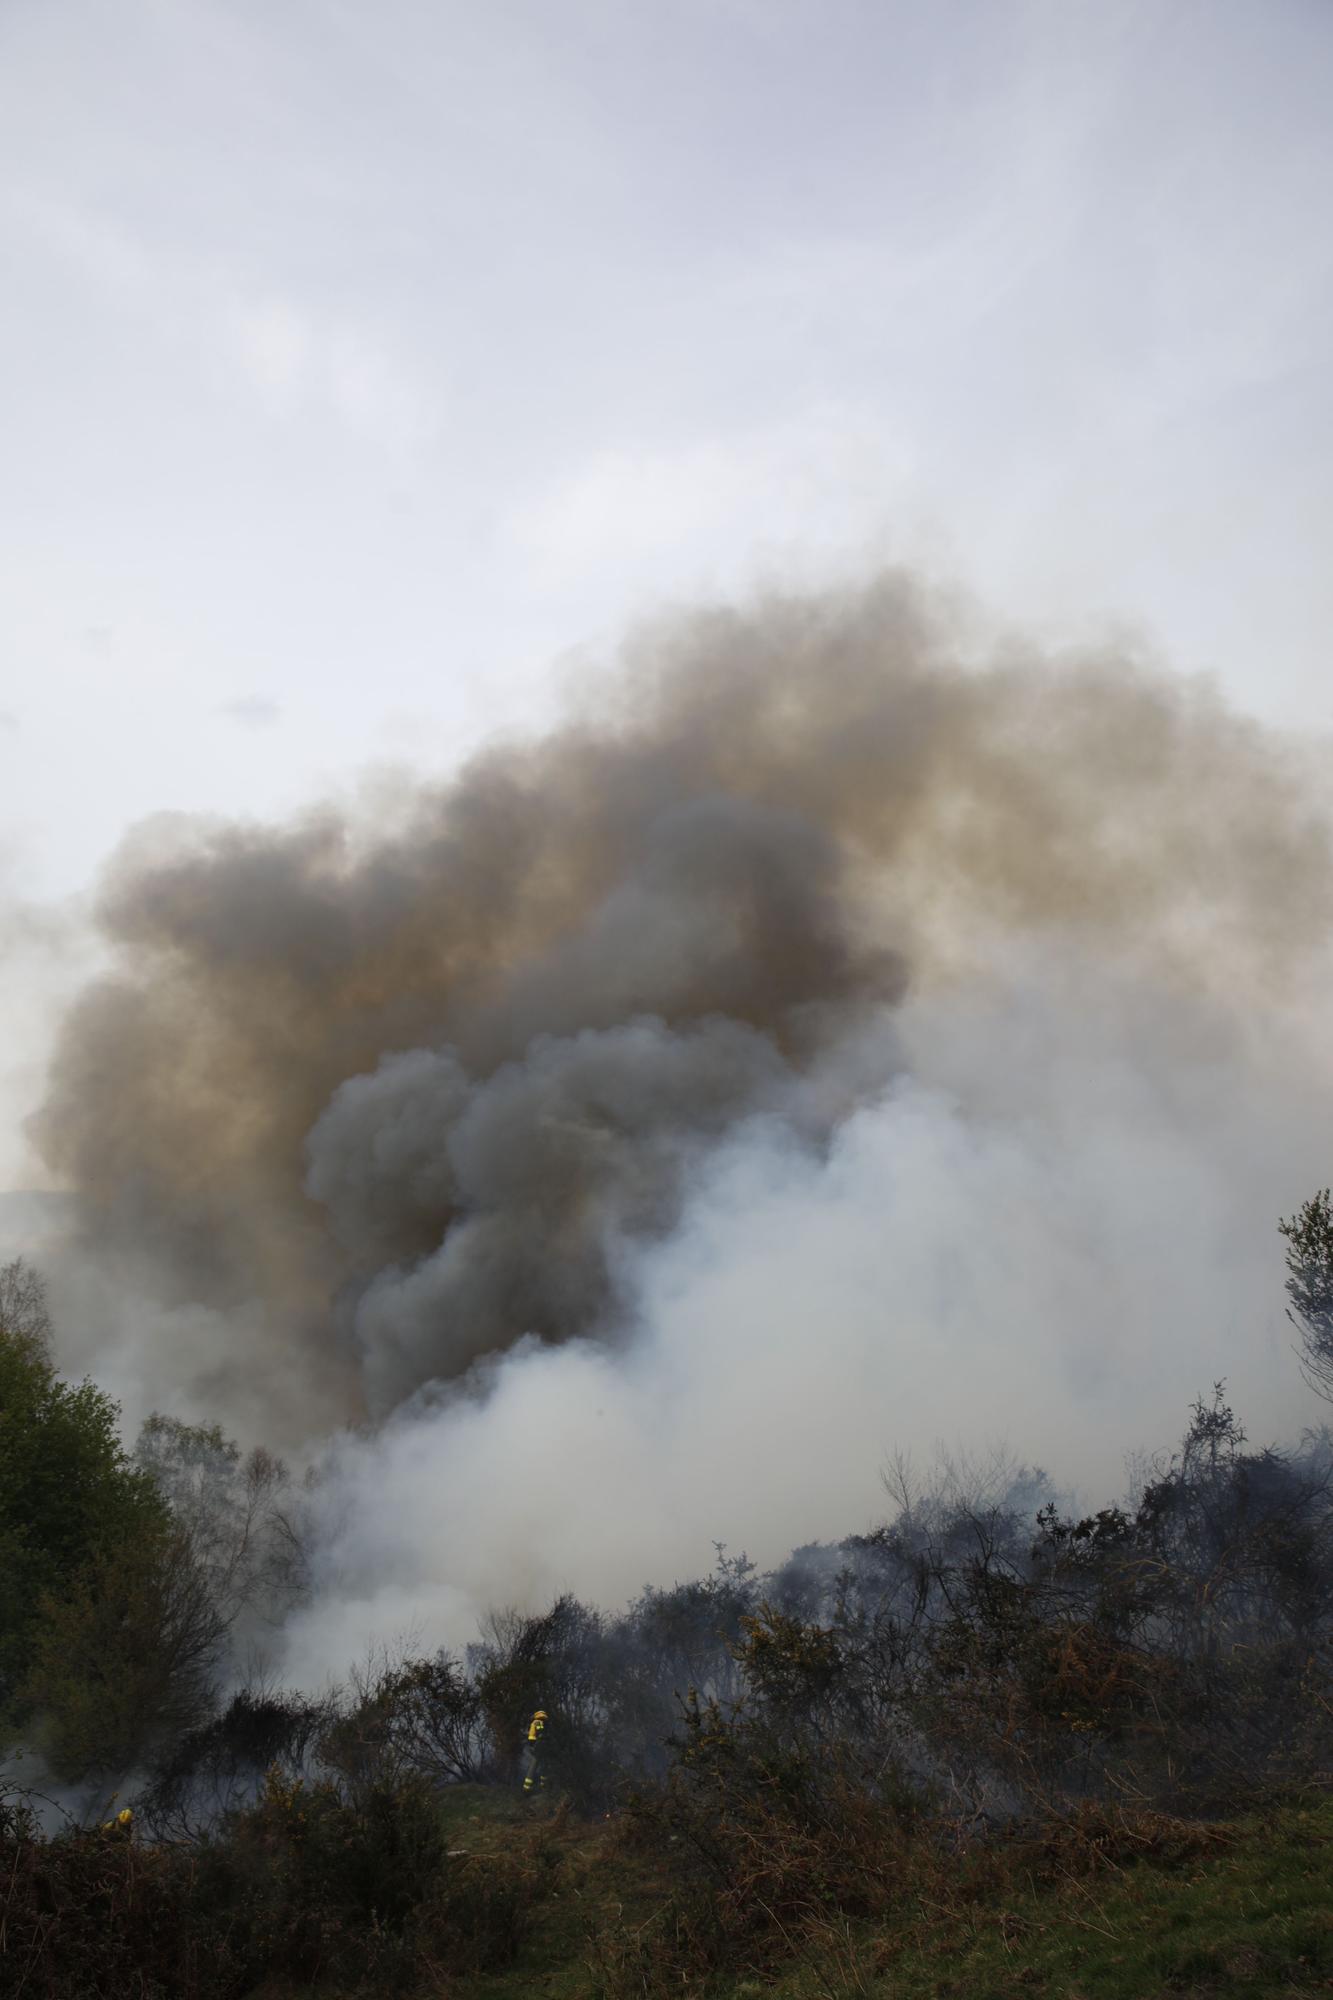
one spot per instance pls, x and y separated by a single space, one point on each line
222 1766
409 1719
765 1840
86 1914
306 1884
360 1888
314 1871
566 1662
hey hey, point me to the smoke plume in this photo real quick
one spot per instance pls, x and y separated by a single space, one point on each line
834 935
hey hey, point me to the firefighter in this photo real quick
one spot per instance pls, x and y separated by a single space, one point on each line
534 1772
121 1827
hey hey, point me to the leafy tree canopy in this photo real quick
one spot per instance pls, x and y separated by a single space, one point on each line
69 1493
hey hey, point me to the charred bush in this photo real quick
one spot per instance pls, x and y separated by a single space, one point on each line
764 1840
305 1884
86 1915
222 1766
360 1888
411 1719
565 1663
323 1883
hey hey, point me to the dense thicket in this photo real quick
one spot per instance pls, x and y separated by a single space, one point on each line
982 1661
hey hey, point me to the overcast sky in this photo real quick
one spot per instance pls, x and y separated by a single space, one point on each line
361 362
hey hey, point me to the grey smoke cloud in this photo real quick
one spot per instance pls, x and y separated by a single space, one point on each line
528 1179
851 1028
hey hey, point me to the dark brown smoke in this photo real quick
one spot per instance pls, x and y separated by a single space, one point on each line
411 1084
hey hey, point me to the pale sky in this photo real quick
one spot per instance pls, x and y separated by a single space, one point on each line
359 361
362 363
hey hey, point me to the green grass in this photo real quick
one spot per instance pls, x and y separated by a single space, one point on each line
1255 1918
1251 1919
588 1884
1250 1915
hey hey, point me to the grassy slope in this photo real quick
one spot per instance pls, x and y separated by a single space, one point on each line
1255 1918
1252 1917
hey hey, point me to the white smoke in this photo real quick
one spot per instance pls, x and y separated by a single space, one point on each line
1050 1227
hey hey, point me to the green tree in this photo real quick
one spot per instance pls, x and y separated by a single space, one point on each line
124 1662
69 1494
1309 1235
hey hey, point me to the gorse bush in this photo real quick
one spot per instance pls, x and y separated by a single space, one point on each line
316 1874
763 1838
88 1916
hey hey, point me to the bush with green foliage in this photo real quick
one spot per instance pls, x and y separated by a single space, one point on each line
76 1515
124 1660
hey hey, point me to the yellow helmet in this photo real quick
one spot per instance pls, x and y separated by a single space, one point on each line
124 1817
540 1716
